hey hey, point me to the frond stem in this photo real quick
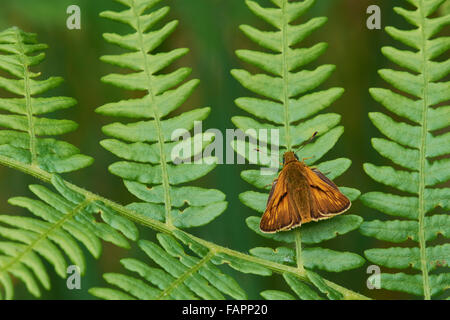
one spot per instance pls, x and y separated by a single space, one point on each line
298 239
185 275
285 78
162 227
164 172
29 107
423 160
298 247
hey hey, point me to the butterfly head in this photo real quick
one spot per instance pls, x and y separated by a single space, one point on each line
289 156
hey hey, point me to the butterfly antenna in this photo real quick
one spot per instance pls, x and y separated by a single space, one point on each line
307 141
257 149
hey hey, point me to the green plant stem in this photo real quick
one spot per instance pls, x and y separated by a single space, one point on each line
163 162
29 107
185 275
285 78
423 161
37 172
298 246
298 239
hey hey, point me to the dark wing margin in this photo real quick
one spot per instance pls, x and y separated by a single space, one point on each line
324 178
274 183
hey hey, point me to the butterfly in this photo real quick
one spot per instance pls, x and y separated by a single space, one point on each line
300 195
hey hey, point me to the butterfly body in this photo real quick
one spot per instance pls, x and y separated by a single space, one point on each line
300 195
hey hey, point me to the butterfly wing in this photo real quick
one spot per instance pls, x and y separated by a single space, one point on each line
288 205
299 195
326 199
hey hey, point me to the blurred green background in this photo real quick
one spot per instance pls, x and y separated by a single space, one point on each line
210 29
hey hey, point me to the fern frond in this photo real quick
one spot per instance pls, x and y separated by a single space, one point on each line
286 103
180 276
61 219
24 140
56 207
148 169
420 145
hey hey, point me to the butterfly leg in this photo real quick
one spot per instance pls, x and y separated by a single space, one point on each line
303 159
271 184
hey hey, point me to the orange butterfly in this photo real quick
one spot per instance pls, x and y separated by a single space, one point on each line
300 194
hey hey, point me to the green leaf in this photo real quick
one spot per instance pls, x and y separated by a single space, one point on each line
111 294
320 258
331 260
241 265
133 286
303 291
276 295
414 283
314 232
323 287
402 258
199 216
279 255
400 231
194 196
391 204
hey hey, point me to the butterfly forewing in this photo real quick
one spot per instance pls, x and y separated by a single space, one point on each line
326 195
285 207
